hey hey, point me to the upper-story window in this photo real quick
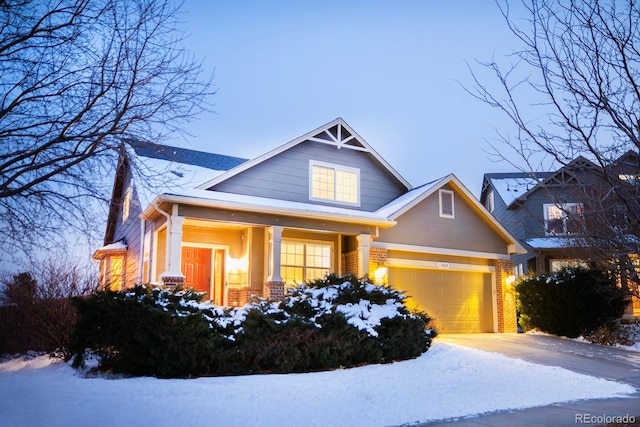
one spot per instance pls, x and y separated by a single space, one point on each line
329 182
126 204
562 219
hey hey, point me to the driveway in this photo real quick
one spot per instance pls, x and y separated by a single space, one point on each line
589 359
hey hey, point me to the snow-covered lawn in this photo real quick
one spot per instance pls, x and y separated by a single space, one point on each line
447 381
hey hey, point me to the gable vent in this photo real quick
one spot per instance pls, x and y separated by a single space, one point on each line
446 204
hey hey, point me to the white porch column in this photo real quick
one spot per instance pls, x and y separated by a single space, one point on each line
173 275
364 244
275 248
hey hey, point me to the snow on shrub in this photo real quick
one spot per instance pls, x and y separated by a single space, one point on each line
329 323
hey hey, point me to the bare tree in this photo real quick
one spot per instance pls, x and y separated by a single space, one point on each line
35 306
78 79
573 88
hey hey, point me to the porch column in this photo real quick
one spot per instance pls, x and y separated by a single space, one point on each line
364 245
173 276
275 284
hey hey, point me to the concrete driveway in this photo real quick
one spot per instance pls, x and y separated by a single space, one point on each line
589 359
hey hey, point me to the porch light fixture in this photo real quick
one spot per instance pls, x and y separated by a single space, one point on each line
380 273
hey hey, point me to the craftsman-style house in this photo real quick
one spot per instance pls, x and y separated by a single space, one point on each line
546 212
324 202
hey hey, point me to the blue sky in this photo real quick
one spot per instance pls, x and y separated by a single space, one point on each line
392 70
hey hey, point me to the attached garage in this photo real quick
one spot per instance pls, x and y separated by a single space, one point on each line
459 301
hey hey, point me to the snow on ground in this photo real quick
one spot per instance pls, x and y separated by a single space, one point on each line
447 381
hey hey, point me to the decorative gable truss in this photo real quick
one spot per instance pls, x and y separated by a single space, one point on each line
339 136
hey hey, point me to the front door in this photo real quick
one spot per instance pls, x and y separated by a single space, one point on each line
197 264
196 267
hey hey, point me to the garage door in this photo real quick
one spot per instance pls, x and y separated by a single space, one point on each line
460 302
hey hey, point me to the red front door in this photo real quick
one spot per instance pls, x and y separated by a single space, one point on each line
196 267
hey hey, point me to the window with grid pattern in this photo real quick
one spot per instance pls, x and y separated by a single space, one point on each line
304 261
334 183
563 219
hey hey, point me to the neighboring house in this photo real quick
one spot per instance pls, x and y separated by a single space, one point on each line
324 202
545 212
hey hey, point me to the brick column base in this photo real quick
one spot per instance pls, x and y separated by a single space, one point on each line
170 280
274 290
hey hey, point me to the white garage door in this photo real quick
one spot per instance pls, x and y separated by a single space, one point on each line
460 302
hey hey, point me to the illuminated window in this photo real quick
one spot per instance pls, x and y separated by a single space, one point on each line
113 271
146 256
446 204
304 261
562 219
126 205
339 184
556 265
631 179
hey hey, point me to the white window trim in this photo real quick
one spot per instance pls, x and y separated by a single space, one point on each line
562 207
335 167
453 210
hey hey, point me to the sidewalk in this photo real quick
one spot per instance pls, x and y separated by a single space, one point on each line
598 361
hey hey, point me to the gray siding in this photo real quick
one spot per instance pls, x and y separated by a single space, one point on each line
512 219
286 176
130 231
423 226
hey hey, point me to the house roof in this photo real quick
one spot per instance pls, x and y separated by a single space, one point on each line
386 216
551 242
337 133
512 185
240 202
175 168
219 162
111 249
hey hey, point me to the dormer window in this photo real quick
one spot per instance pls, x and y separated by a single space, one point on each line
334 183
562 219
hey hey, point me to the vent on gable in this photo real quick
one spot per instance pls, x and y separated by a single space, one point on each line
446 204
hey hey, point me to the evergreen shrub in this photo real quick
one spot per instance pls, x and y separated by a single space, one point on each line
571 302
327 324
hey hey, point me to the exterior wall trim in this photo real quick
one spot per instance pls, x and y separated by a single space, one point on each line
435 265
439 251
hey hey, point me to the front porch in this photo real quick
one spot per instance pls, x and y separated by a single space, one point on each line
233 261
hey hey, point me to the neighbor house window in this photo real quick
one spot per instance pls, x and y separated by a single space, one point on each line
446 204
631 179
562 219
126 204
340 184
556 265
304 261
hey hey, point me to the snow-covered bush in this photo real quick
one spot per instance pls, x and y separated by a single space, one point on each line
571 302
330 323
